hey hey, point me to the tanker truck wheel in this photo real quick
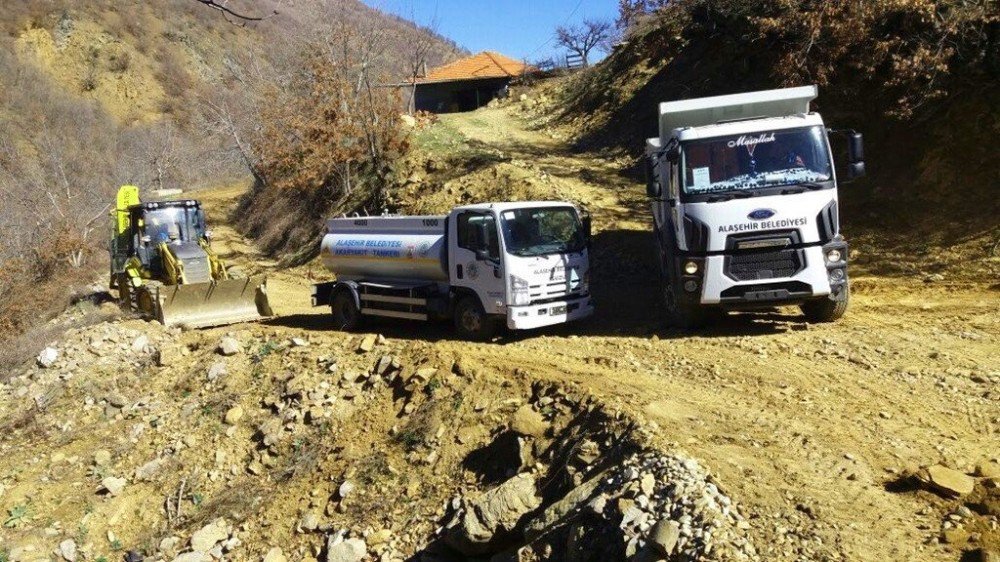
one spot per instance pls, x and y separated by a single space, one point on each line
472 322
346 314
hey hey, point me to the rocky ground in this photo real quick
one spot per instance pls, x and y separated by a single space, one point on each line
761 438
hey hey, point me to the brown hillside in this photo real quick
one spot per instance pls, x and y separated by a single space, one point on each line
98 93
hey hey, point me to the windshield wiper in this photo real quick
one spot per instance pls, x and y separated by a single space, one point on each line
730 196
801 186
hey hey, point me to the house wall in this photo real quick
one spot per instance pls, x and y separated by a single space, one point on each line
467 95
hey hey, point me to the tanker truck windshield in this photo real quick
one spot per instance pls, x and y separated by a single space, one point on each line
542 231
744 164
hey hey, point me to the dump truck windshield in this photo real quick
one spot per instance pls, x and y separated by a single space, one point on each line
543 230
759 160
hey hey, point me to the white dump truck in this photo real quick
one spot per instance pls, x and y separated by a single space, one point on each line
744 197
524 264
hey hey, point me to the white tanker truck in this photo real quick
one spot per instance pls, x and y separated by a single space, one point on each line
526 264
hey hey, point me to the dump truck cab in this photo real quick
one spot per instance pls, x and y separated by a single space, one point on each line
745 206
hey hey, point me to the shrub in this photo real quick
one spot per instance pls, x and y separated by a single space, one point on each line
120 62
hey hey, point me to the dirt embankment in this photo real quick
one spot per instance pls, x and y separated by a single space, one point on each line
762 438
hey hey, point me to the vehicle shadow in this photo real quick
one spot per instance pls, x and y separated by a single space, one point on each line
625 288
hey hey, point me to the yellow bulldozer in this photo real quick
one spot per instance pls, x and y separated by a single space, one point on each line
162 266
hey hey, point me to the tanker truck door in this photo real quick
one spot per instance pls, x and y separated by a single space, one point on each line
476 262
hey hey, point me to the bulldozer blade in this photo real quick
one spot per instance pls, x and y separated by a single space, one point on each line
216 303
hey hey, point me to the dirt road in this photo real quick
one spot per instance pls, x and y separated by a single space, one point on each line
808 426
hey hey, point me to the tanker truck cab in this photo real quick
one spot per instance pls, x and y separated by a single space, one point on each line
523 264
745 206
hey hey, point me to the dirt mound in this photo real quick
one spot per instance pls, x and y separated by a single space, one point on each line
506 179
200 445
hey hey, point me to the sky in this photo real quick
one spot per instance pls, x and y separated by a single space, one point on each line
521 29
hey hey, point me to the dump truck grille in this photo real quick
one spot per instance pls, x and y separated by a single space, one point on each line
753 266
764 256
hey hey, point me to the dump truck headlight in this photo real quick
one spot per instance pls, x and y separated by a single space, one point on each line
833 256
691 267
519 291
836 276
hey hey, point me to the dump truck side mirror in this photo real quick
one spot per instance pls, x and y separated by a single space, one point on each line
855 153
653 187
856 147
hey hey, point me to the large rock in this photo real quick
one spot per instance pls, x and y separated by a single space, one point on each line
275 555
148 471
367 343
193 557
234 415
47 357
561 511
102 457
664 536
229 346
139 344
491 520
67 549
204 539
988 469
350 550
113 485
949 480
528 422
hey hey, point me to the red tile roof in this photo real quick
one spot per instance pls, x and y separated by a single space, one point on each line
484 65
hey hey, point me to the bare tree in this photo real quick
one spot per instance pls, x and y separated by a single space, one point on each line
416 61
584 38
232 15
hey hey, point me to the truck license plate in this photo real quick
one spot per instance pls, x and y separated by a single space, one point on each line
559 309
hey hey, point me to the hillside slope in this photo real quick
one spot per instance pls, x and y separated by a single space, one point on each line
147 60
95 94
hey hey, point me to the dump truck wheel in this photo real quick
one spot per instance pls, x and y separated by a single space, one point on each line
472 322
826 310
682 315
346 314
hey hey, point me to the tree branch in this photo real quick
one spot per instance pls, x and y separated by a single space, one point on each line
227 11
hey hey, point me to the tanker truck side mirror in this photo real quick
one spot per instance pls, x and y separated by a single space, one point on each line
587 226
481 243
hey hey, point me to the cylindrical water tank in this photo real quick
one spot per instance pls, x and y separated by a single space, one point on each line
401 248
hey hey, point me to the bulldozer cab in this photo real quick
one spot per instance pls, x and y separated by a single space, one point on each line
174 223
147 225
